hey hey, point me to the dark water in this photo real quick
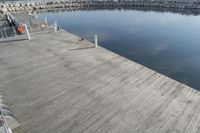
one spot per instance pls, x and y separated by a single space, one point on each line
166 42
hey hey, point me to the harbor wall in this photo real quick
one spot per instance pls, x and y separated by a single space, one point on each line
48 5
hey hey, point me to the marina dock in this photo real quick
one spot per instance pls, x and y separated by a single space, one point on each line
56 82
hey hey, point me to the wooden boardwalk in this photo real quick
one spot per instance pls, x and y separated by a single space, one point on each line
57 84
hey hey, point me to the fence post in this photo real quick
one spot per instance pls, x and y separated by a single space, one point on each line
13 29
5 32
27 32
96 40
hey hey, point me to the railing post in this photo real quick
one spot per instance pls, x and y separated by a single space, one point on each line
13 29
5 32
2 36
27 32
95 40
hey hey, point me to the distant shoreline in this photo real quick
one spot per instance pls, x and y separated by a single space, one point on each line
145 9
189 7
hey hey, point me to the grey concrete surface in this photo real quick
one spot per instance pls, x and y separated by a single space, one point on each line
56 83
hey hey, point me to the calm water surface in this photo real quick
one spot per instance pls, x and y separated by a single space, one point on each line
165 42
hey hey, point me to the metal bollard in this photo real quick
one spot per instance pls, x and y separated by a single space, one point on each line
55 26
36 17
96 41
27 32
45 19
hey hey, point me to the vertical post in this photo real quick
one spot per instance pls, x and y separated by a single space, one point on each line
2 34
45 19
55 26
13 30
46 22
18 20
95 40
5 32
30 21
36 17
27 32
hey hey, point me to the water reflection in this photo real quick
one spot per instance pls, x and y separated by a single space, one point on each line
166 42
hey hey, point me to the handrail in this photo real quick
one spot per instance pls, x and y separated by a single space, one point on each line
4 126
11 19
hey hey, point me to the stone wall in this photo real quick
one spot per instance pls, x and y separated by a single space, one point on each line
31 6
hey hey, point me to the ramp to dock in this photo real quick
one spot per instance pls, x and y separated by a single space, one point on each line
56 83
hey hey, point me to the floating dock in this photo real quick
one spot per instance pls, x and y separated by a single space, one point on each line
59 83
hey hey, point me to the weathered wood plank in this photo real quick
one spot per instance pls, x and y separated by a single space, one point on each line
56 83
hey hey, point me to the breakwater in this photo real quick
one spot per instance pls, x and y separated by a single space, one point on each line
32 6
145 9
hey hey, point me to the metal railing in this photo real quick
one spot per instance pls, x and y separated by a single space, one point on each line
11 34
3 124
6 32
